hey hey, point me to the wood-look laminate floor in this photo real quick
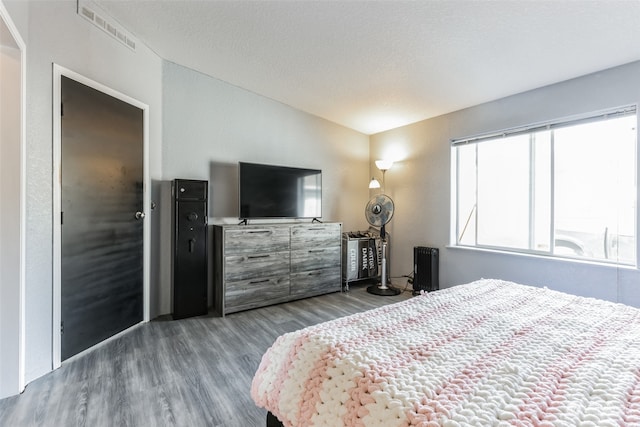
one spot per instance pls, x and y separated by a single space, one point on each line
191 372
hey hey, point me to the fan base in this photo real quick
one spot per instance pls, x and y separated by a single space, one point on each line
376 290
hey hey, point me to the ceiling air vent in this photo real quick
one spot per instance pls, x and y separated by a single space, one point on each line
100 19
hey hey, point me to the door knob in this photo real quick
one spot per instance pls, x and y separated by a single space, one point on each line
139 215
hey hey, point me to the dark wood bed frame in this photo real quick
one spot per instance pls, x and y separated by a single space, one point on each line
272 421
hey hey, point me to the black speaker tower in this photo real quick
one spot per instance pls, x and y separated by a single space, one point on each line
425 269
190 267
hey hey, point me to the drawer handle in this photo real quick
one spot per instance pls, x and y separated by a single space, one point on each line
260 231
315 250
255 282
258 256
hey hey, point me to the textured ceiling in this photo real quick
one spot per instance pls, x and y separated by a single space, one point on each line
377 65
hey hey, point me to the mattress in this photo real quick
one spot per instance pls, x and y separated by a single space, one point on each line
488 353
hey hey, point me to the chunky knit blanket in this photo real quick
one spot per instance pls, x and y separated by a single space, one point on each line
489 353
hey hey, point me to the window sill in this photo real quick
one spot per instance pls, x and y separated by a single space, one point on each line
550 258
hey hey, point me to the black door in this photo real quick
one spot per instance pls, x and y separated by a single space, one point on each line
102 228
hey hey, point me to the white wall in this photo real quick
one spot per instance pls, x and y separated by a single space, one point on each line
420 185
54 33
11 180
210 126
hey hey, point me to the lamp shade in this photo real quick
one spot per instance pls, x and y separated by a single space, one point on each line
374 183
384 165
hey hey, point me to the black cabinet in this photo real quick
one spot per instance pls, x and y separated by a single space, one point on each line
189 248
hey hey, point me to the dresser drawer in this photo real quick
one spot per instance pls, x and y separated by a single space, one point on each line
256 239
316 235
246 294
255 265
316 282
315 258
251 266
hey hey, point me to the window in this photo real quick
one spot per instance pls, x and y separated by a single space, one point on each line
565 188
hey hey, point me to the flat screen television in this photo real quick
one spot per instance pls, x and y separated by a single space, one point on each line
269 191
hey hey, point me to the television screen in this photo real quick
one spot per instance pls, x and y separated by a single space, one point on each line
268 191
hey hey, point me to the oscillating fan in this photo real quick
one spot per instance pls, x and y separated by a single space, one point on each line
379 212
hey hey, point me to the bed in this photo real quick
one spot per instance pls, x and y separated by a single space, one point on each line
488 353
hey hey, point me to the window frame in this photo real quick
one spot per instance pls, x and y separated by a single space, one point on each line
459 224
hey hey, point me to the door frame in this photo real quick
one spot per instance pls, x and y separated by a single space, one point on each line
58 72
13 330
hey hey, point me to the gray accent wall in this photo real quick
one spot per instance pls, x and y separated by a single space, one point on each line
420 183
211 125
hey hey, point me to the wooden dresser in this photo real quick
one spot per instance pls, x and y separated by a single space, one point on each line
258 265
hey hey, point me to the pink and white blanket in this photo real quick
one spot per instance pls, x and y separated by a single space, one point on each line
489 353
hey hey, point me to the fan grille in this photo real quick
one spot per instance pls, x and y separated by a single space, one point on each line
379 210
